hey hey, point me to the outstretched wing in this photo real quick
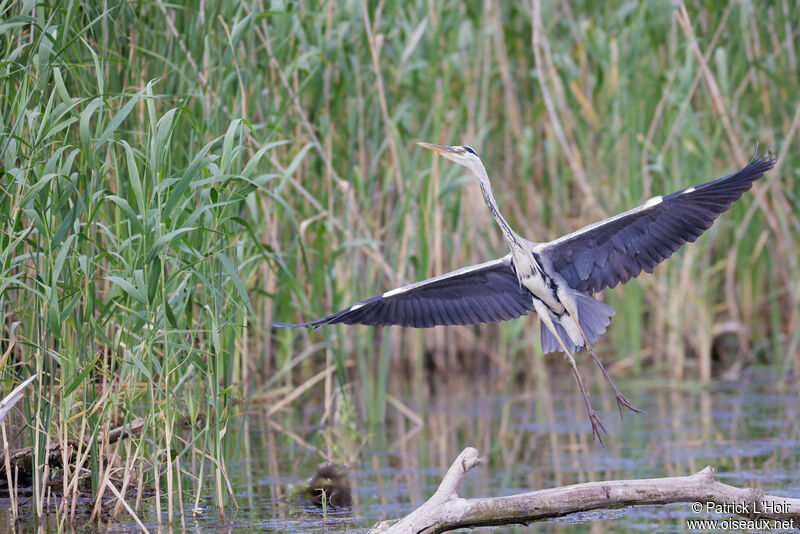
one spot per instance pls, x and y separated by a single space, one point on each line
618 249
484 293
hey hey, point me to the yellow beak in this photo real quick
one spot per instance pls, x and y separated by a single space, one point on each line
437 148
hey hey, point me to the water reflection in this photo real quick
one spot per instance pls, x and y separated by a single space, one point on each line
533 434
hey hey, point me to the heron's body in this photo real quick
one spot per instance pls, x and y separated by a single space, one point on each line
555 279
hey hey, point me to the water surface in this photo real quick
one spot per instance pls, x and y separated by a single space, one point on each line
532 436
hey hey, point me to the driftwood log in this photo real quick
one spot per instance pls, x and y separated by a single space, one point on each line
445 510
22 459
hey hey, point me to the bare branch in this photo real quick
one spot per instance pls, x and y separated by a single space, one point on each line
445 510
23 459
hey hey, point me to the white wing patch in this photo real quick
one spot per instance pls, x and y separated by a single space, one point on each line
354 307
655 201
459 272
394 292
690 190
541 248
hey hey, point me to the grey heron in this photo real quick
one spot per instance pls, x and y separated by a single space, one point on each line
556 279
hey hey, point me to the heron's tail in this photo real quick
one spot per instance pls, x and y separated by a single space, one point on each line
594 316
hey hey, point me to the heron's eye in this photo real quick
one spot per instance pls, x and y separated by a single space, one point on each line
463 151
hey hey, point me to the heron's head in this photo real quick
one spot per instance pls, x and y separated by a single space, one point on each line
464 155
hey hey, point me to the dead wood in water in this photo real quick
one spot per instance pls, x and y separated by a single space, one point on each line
22 459
445 510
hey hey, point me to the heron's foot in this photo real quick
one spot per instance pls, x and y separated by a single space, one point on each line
623 402
597 424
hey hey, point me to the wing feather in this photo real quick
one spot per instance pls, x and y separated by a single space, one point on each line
617 249
488 292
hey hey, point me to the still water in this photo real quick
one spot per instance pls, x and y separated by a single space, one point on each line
531 436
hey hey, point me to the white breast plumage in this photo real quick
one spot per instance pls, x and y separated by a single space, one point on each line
531 277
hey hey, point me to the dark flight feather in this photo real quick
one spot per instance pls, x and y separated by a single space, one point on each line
484 293
618 249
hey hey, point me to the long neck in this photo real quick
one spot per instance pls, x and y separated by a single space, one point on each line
486 188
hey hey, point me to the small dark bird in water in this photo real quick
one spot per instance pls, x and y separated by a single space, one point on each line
332 481
556 279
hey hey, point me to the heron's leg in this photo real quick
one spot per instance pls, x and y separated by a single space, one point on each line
622 401
594 418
